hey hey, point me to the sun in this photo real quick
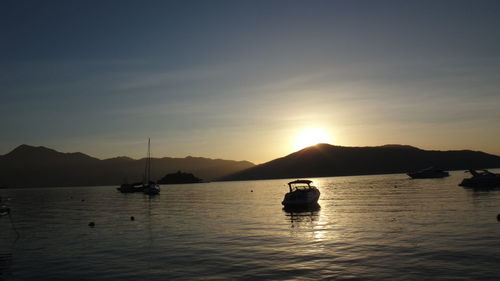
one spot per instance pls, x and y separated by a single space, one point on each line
311 136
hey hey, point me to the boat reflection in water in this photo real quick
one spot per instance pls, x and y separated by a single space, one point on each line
303 217
305 209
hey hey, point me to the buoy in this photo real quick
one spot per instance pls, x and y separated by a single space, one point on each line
91 224
132 218
83 200
251 190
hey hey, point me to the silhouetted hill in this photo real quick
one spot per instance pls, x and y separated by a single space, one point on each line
29 166
328 160
25 152
179 178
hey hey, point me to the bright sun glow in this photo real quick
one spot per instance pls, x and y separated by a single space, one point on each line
311 136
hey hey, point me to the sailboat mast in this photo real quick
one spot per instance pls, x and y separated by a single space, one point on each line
149 160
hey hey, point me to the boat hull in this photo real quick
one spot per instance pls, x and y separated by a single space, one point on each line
302 208
481 182
130 188
301 198
429 175
152 189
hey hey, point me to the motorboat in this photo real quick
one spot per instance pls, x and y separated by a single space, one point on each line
429 173
481 179
301 194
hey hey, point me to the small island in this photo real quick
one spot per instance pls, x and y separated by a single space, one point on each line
179 178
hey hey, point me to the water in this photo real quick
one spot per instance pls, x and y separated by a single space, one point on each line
369 227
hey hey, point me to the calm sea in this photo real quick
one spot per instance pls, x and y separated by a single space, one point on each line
383 227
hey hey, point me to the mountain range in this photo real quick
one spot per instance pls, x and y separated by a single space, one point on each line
29 166
323 160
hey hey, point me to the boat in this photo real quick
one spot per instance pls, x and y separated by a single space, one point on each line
301 194
150 188
429 173
481 179
131 187
146 186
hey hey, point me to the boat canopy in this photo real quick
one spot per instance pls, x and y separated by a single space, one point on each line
308 182
300 181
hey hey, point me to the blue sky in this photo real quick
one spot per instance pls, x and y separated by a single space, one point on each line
241 79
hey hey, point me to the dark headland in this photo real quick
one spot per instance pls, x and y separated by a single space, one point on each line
324 160
179 178
29 166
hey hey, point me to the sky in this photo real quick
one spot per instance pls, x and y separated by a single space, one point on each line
241 80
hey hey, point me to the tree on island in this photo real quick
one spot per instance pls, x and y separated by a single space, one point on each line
178 178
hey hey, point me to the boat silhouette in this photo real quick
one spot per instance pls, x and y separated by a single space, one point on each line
481 179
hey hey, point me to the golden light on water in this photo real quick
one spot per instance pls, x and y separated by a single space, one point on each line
311 136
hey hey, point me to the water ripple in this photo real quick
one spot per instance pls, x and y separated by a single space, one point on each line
368 228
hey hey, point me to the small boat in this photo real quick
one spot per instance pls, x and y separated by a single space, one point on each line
429 173
147 186
482 179
302 194
131 187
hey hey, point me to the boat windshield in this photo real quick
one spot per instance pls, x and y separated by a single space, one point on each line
300 185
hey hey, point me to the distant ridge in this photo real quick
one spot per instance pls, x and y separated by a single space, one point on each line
30 166
324 160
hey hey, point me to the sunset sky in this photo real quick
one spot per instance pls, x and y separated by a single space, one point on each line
242 79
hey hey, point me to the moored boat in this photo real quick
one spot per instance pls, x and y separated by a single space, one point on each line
482 179
131 187
428 173
301 194
147 186
151 189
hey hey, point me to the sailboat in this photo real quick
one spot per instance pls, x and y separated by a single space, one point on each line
146 186
150 187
